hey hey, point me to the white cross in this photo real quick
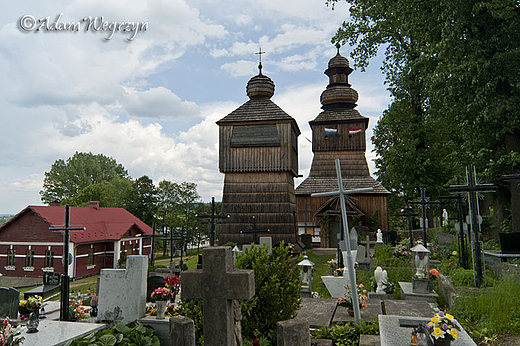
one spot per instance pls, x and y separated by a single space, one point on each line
350 262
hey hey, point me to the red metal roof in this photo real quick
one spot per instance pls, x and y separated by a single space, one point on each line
101 224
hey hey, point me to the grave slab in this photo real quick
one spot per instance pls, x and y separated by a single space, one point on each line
409 308
371 312
408 294
316 311
57 333
392 334
336 285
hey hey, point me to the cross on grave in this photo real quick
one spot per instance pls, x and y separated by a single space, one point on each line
409 213
218 283
460 219
472 188
212 217
255 231
66 228
169 238
425 203
341 193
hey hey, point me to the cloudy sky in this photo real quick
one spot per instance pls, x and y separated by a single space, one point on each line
151 103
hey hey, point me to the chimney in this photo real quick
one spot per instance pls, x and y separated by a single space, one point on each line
94 204
54 203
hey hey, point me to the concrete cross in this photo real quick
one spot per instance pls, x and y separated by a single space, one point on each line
341 193
218 283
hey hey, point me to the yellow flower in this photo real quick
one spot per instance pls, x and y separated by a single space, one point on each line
437 331
435 319
454 333
449 316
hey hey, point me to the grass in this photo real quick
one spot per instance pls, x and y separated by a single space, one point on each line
320 269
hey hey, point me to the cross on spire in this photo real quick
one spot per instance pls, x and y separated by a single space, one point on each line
341 193
260 59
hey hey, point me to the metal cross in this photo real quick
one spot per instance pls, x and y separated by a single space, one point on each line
409 213
212 217
425 203
472 188
260 61
341 193
255 231
66 228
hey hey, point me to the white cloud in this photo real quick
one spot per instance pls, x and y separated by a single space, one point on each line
243 19
240 68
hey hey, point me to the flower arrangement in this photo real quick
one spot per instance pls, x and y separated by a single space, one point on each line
162 293
389 287
151 309
173 283
339 271
332 263
443 326
77 311
32 304
346 300
435 272
8 334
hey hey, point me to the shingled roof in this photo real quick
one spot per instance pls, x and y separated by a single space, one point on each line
339 115
256 110
100 223
327 184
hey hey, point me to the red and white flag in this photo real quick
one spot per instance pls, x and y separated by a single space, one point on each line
354 130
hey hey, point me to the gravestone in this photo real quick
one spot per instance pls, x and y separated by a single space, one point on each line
51 286
268 241
353 239
218 283
445 239
182 331
9 301
293 333
306 239
123 290
152 283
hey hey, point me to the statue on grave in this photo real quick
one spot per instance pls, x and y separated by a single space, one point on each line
381 278
444 218
237 315
379 236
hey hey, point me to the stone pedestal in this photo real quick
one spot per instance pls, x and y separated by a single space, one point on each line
422 285
375 295
407 293
293 333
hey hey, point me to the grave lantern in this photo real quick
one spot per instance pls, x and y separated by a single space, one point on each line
306 274
421 260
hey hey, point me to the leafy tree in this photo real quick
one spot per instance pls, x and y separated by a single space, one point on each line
110 194
142 201
67 178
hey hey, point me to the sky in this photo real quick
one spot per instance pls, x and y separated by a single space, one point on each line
148 94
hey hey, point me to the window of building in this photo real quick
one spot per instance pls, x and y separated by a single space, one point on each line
11 257
49 259
29 258
90 257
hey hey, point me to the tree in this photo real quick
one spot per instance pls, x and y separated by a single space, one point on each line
110 194
143 201
67 178
453 68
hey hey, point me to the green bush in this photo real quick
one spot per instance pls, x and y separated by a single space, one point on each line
192 308
348 334
277 286
131 334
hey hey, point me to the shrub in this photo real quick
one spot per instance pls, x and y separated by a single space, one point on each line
131 334
277 286
348 334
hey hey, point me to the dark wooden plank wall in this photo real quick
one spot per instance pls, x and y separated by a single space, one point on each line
341 141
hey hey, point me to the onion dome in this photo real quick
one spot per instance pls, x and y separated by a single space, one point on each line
260 86
338 94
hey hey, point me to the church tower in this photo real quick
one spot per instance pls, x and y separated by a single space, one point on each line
338 132
258 153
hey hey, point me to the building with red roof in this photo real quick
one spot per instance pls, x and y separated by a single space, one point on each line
28 248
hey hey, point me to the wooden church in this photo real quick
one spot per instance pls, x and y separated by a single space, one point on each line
258 153
338 132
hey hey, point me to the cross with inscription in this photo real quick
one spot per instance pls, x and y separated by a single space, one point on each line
409 213
255 231
341 193
212 217
218 283
472 188
425 203
66 228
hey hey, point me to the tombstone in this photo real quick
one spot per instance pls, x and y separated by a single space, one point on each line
293 333
123 290
51 286
268 241
152 283
182 331
9 301
353 239
445 239
218 283
306 239
361 256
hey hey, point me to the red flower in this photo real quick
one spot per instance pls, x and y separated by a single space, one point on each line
256 342
435 272
23 317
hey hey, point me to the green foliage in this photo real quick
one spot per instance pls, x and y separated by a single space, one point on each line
4 219
67 178
131 334
320 269
348 334
489 311
192 308
277 286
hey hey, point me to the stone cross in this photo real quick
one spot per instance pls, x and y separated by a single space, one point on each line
218 283
341 193
472 188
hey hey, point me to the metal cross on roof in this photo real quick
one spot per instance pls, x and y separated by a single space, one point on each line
260 61
66 228
472 188
341 193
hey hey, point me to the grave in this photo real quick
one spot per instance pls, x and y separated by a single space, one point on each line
293 333
218 283
408 293
50 287
393 332
317 312
336 285
152 283
116 299
510 249
52 332
9 301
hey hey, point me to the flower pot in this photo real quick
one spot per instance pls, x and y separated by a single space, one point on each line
350 313
161 305
441 342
